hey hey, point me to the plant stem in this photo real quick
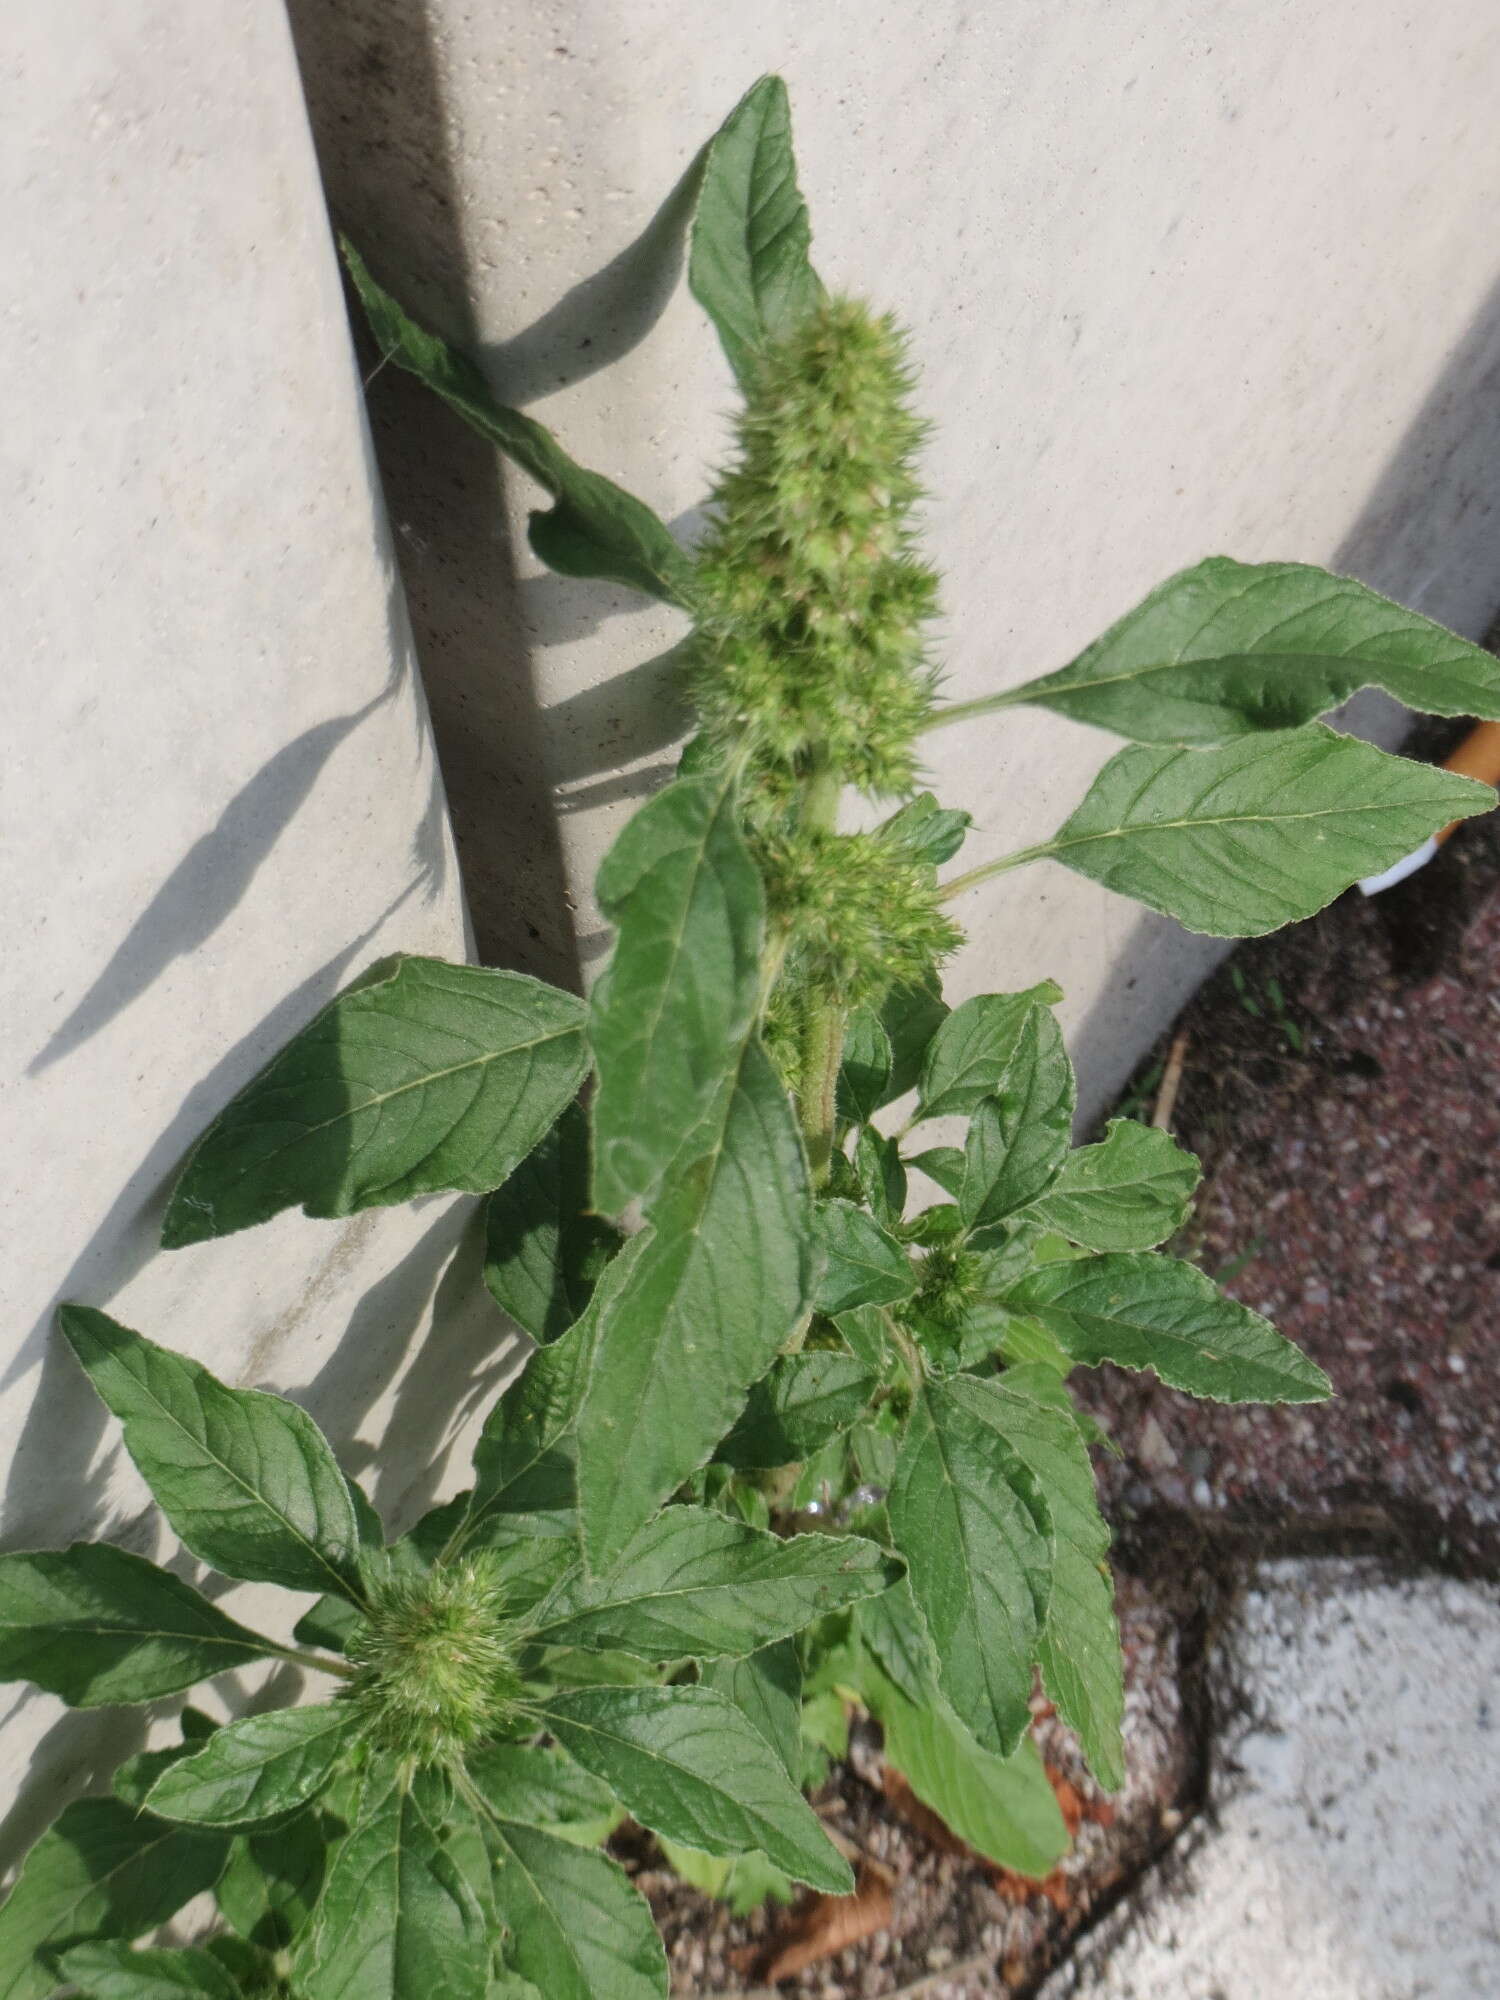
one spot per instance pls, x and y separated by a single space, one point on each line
823 1025
982 874
822 1051
966 711
910 1353
322 1663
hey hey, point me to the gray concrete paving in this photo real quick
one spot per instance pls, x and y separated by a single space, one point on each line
1351 1850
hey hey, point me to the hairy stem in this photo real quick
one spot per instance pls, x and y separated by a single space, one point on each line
966 711
1002 866
822 1051
823 1025
908 1350
321 1663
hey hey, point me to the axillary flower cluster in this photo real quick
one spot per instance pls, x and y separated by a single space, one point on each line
435 1664
812 670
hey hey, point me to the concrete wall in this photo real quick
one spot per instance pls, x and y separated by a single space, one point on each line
1182 278
219 798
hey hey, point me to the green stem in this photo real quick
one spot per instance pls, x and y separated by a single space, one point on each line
321 1663
966 711
778 938
822 1051
910 1353
1006 862
823 1023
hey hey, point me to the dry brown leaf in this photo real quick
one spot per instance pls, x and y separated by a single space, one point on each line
907 1806
829 1924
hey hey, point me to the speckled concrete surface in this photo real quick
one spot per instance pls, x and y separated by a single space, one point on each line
1350 1852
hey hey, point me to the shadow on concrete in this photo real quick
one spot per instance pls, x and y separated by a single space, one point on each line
1420 537
1413 538
389 183
638 711
66 1421
67 1427
211 878
604 316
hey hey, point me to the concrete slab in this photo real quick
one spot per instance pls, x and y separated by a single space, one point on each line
1350 1851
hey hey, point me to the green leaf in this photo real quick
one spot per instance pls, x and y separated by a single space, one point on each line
421 1078
595 528
396 1920
687 1763
97 1625
911 1016
748 265
272 1883
1130 1192
247 1480
1018 1139
1080 1648
524 1459
823 1479
1026 1341
864 1330
134 1778
865 1070
110 1970
100 1868
796 1408
580 1931
1238 841
766 1687
695 1582
1006 1252
970 1519
331 1624
932 832
863 1266
882 1176
543 1250
1003 1807
725 1275
744 1883
943 1164
971 1053
678 997
1228 649
252 1969
537 1787
892 1629
1143 1310
256 1768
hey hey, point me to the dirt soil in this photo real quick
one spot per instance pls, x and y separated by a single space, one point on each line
1350 1139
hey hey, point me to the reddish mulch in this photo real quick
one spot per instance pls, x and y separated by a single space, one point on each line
1352 1194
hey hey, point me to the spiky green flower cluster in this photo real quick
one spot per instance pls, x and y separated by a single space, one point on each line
948 1288
436 1663
811 601
861 911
